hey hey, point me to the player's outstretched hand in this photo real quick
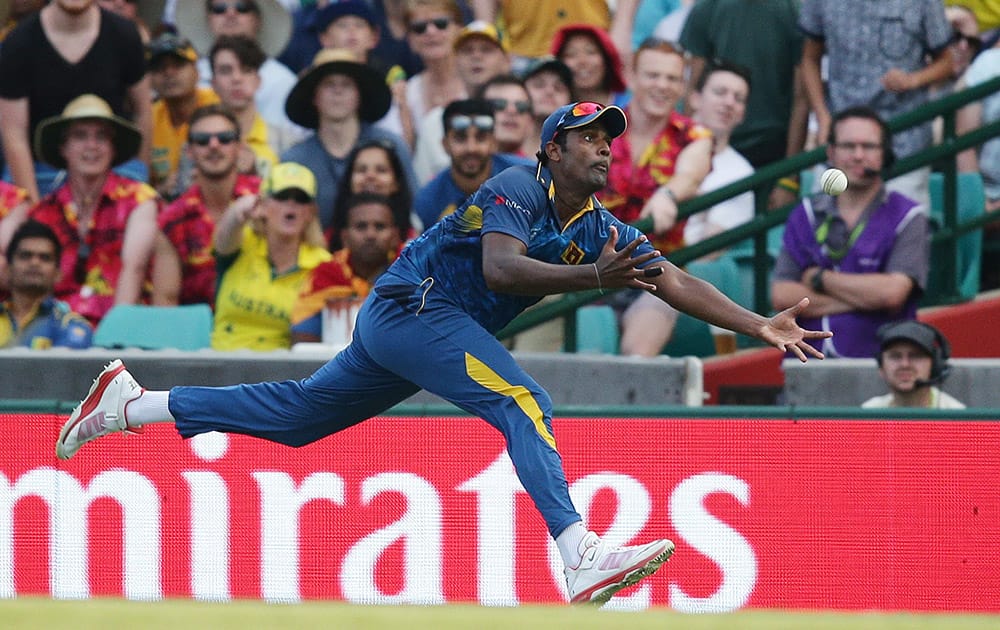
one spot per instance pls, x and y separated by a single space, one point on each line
618 269
784 333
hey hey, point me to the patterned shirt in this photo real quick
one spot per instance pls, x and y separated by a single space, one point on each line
189 228
11 196
91 293
443 266
864 40
631 185
52 324
332 279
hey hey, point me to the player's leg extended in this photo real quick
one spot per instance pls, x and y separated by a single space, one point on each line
345 391
445 352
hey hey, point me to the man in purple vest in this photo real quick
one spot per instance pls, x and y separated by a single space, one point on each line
861 257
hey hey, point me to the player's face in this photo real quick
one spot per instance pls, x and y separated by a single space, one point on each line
372 173
583 56
34 269
337 97
587 157
235 84
89 148
721 104
658 82
471 150
173 78
904 363
214 146
370 234
857 150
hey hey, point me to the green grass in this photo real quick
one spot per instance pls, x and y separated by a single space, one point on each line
39 613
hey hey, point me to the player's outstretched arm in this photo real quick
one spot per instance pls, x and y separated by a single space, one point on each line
784 333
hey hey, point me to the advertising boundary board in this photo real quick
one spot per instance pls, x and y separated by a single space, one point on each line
826 513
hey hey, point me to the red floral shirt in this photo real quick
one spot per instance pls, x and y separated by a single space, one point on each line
90 268
189 227
631 185
332 279
11 196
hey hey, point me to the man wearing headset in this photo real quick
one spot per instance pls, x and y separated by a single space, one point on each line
861 257
913 360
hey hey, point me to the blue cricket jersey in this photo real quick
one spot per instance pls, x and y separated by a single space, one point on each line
516 203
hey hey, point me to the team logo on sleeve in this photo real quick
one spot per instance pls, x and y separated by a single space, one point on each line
572 255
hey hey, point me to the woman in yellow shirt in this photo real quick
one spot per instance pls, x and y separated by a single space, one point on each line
264 247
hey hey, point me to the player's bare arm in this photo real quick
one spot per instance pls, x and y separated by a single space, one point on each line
508 268
702 300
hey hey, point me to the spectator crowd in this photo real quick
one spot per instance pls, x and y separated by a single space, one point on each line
271 158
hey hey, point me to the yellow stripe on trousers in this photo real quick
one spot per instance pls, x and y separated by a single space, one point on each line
482 374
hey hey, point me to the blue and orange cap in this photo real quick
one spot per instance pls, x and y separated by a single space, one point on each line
581 114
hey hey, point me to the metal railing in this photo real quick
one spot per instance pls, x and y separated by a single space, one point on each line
760 182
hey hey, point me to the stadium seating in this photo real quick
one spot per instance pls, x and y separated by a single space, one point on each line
155 327
971 203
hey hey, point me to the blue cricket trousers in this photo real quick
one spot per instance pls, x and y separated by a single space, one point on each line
397 349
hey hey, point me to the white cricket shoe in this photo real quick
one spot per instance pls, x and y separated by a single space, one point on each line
101 412
604 570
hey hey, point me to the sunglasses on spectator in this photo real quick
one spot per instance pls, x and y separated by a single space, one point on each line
462 122
204 138
292 194
971 40
420 27
500 104
218 8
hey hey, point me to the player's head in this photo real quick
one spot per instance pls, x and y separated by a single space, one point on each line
581 114
912 354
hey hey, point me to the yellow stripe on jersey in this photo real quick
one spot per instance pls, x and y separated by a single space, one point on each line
485 376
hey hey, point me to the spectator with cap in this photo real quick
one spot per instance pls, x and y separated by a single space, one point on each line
351 25
46 63
174 77
596 65
480 55
31 316
912 360
341 98
105 223
265 247
513 112
266 21
183 266
470 143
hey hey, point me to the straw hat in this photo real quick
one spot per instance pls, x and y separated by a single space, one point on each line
50 132
375 95
191 19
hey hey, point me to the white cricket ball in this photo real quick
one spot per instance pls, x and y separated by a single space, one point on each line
833 181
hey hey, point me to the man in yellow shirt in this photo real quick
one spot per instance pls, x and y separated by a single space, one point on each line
174 77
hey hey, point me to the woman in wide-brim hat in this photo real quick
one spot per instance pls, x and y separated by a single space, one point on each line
51 131
191 19
374 93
